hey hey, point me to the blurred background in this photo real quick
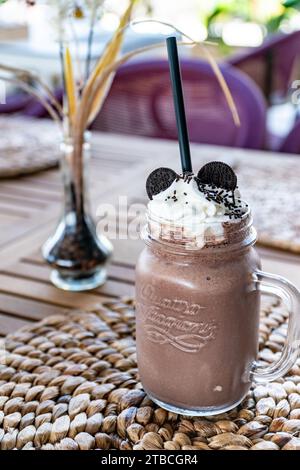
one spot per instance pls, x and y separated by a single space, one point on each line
258 40
234 24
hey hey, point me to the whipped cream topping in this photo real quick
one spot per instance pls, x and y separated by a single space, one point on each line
195 213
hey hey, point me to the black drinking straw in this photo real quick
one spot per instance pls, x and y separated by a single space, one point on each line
183 136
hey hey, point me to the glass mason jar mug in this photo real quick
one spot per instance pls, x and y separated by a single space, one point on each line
198 303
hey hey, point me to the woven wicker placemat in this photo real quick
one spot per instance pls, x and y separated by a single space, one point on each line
70 382
27 146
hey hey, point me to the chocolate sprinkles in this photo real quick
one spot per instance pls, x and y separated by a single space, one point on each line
222 196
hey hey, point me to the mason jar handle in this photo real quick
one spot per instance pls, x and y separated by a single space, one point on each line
290 295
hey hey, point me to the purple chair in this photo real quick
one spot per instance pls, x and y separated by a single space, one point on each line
16 103
291 143
35 109
140 102
270 66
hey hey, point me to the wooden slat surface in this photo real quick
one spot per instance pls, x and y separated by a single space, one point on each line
30 207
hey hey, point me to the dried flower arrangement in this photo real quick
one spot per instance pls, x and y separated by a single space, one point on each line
84 97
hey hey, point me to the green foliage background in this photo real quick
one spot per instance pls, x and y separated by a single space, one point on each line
270 13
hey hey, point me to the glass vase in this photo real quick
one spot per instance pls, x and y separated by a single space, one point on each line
78 255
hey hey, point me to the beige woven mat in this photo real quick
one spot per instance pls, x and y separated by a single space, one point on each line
27 146
274 195
71 383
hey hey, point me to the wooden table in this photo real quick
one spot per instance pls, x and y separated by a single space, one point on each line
30 207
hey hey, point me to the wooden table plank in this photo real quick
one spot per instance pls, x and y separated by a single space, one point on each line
22 228
41 273
14 211
115 271
35 290
28 190
9 324
27 308
23 200
23 210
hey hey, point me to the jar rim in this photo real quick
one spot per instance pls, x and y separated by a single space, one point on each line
200 236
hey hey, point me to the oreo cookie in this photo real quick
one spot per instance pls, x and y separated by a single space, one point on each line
160 180
218 174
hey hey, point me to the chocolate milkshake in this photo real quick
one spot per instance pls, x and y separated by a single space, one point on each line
197 325
198 284
197 305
